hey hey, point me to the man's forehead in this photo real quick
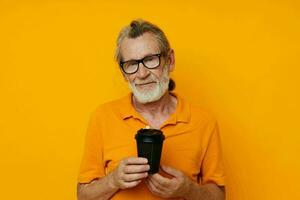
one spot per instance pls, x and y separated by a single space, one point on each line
137 48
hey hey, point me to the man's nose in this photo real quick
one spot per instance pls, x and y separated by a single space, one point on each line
142 72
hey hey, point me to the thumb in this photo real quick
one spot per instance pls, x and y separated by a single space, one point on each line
169 170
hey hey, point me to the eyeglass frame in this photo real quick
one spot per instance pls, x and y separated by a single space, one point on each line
141 61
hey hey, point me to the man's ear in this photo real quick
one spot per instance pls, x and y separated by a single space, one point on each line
171 60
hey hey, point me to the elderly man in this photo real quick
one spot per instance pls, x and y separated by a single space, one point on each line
191 162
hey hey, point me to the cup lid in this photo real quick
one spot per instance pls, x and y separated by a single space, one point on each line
149 135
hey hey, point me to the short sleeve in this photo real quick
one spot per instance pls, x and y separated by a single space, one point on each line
92 160
212 168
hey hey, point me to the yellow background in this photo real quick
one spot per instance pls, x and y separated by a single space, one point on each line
239 59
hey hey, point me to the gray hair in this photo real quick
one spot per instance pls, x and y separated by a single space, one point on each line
136 29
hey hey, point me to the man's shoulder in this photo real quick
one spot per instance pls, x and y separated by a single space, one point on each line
112 106
202 119
199 113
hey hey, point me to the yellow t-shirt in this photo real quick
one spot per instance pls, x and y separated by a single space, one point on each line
192 144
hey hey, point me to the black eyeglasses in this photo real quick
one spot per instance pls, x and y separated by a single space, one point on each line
132 66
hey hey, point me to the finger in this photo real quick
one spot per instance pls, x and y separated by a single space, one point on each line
128 169
135 160
160 179
131 184
152 187
156 184
134 177
147 184
169 170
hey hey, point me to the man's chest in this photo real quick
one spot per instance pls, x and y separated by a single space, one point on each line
181 148
155 121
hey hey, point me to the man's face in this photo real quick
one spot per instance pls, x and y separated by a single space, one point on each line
147 85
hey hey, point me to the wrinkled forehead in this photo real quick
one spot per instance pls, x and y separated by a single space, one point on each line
138 48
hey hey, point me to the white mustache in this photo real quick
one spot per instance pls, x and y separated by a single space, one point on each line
142 83
138 82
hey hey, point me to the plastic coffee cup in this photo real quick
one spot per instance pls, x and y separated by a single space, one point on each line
149 145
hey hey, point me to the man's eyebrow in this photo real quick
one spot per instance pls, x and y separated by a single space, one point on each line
150 54
146 55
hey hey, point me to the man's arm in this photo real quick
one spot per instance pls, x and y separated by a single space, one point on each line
129 173
100 189
208 191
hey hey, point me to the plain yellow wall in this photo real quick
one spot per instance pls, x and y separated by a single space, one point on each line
238 59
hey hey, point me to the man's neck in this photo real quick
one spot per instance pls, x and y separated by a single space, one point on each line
164 106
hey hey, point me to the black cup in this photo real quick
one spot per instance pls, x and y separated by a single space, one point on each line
149 145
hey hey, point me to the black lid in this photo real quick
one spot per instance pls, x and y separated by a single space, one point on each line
149 135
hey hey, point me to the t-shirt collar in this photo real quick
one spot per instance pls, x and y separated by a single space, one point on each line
181 114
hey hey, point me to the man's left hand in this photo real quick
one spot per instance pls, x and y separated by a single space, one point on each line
176 187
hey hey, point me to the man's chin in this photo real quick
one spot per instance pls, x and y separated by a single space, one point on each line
145 88
143 91
145 98
145 101
146 95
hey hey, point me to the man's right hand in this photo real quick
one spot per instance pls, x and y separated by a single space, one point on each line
130 172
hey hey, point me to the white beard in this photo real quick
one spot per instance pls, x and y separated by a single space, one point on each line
151 95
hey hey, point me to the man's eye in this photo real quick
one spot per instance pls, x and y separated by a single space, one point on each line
130 64
149 58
